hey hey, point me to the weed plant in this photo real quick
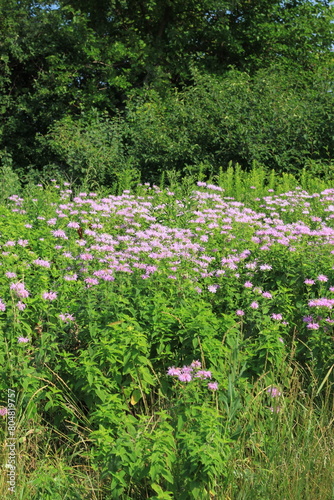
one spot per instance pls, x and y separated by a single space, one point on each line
171 342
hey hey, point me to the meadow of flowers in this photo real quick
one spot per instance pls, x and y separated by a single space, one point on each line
169 343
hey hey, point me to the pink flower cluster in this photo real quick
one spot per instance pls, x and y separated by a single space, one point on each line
193 371
66 317
19 290
323 302
274 392
49 295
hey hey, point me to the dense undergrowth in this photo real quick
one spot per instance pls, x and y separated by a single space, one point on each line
169 342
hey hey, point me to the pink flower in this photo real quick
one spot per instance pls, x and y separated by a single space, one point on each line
277 409
49 296
73 225
3 412
11 275
86 256
91 281
213 386
71 277
174 372
185 377
274 392
196 364
66 317
41 262
203 374
240 312
254 305
19 290
59 233
313 326
22 340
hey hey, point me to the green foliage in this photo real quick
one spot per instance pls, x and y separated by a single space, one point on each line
93 365
91 149
197 84
274 118
9 180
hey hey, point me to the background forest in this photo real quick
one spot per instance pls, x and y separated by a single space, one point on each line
96 90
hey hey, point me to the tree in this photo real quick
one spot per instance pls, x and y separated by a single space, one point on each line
61 59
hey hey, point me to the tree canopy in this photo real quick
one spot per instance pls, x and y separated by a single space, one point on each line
62 60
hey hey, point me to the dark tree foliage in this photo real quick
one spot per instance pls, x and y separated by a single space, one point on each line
62 60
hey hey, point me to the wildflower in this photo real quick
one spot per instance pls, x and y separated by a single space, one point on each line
203 374
185 377
70 277
213 386
91 281
213 288
196 364
73 225
2 306
3 412
309 282
307 319
49 295
248 284
173 372
41 262
281 340
322 277
313 326
267 295
254 305
265 267
21 306
240 312
276 409
323 302
59 233
277 317
274 392
22 340
66 317
86 256
19 289
11 275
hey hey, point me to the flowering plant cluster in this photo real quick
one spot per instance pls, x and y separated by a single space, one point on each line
192 372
